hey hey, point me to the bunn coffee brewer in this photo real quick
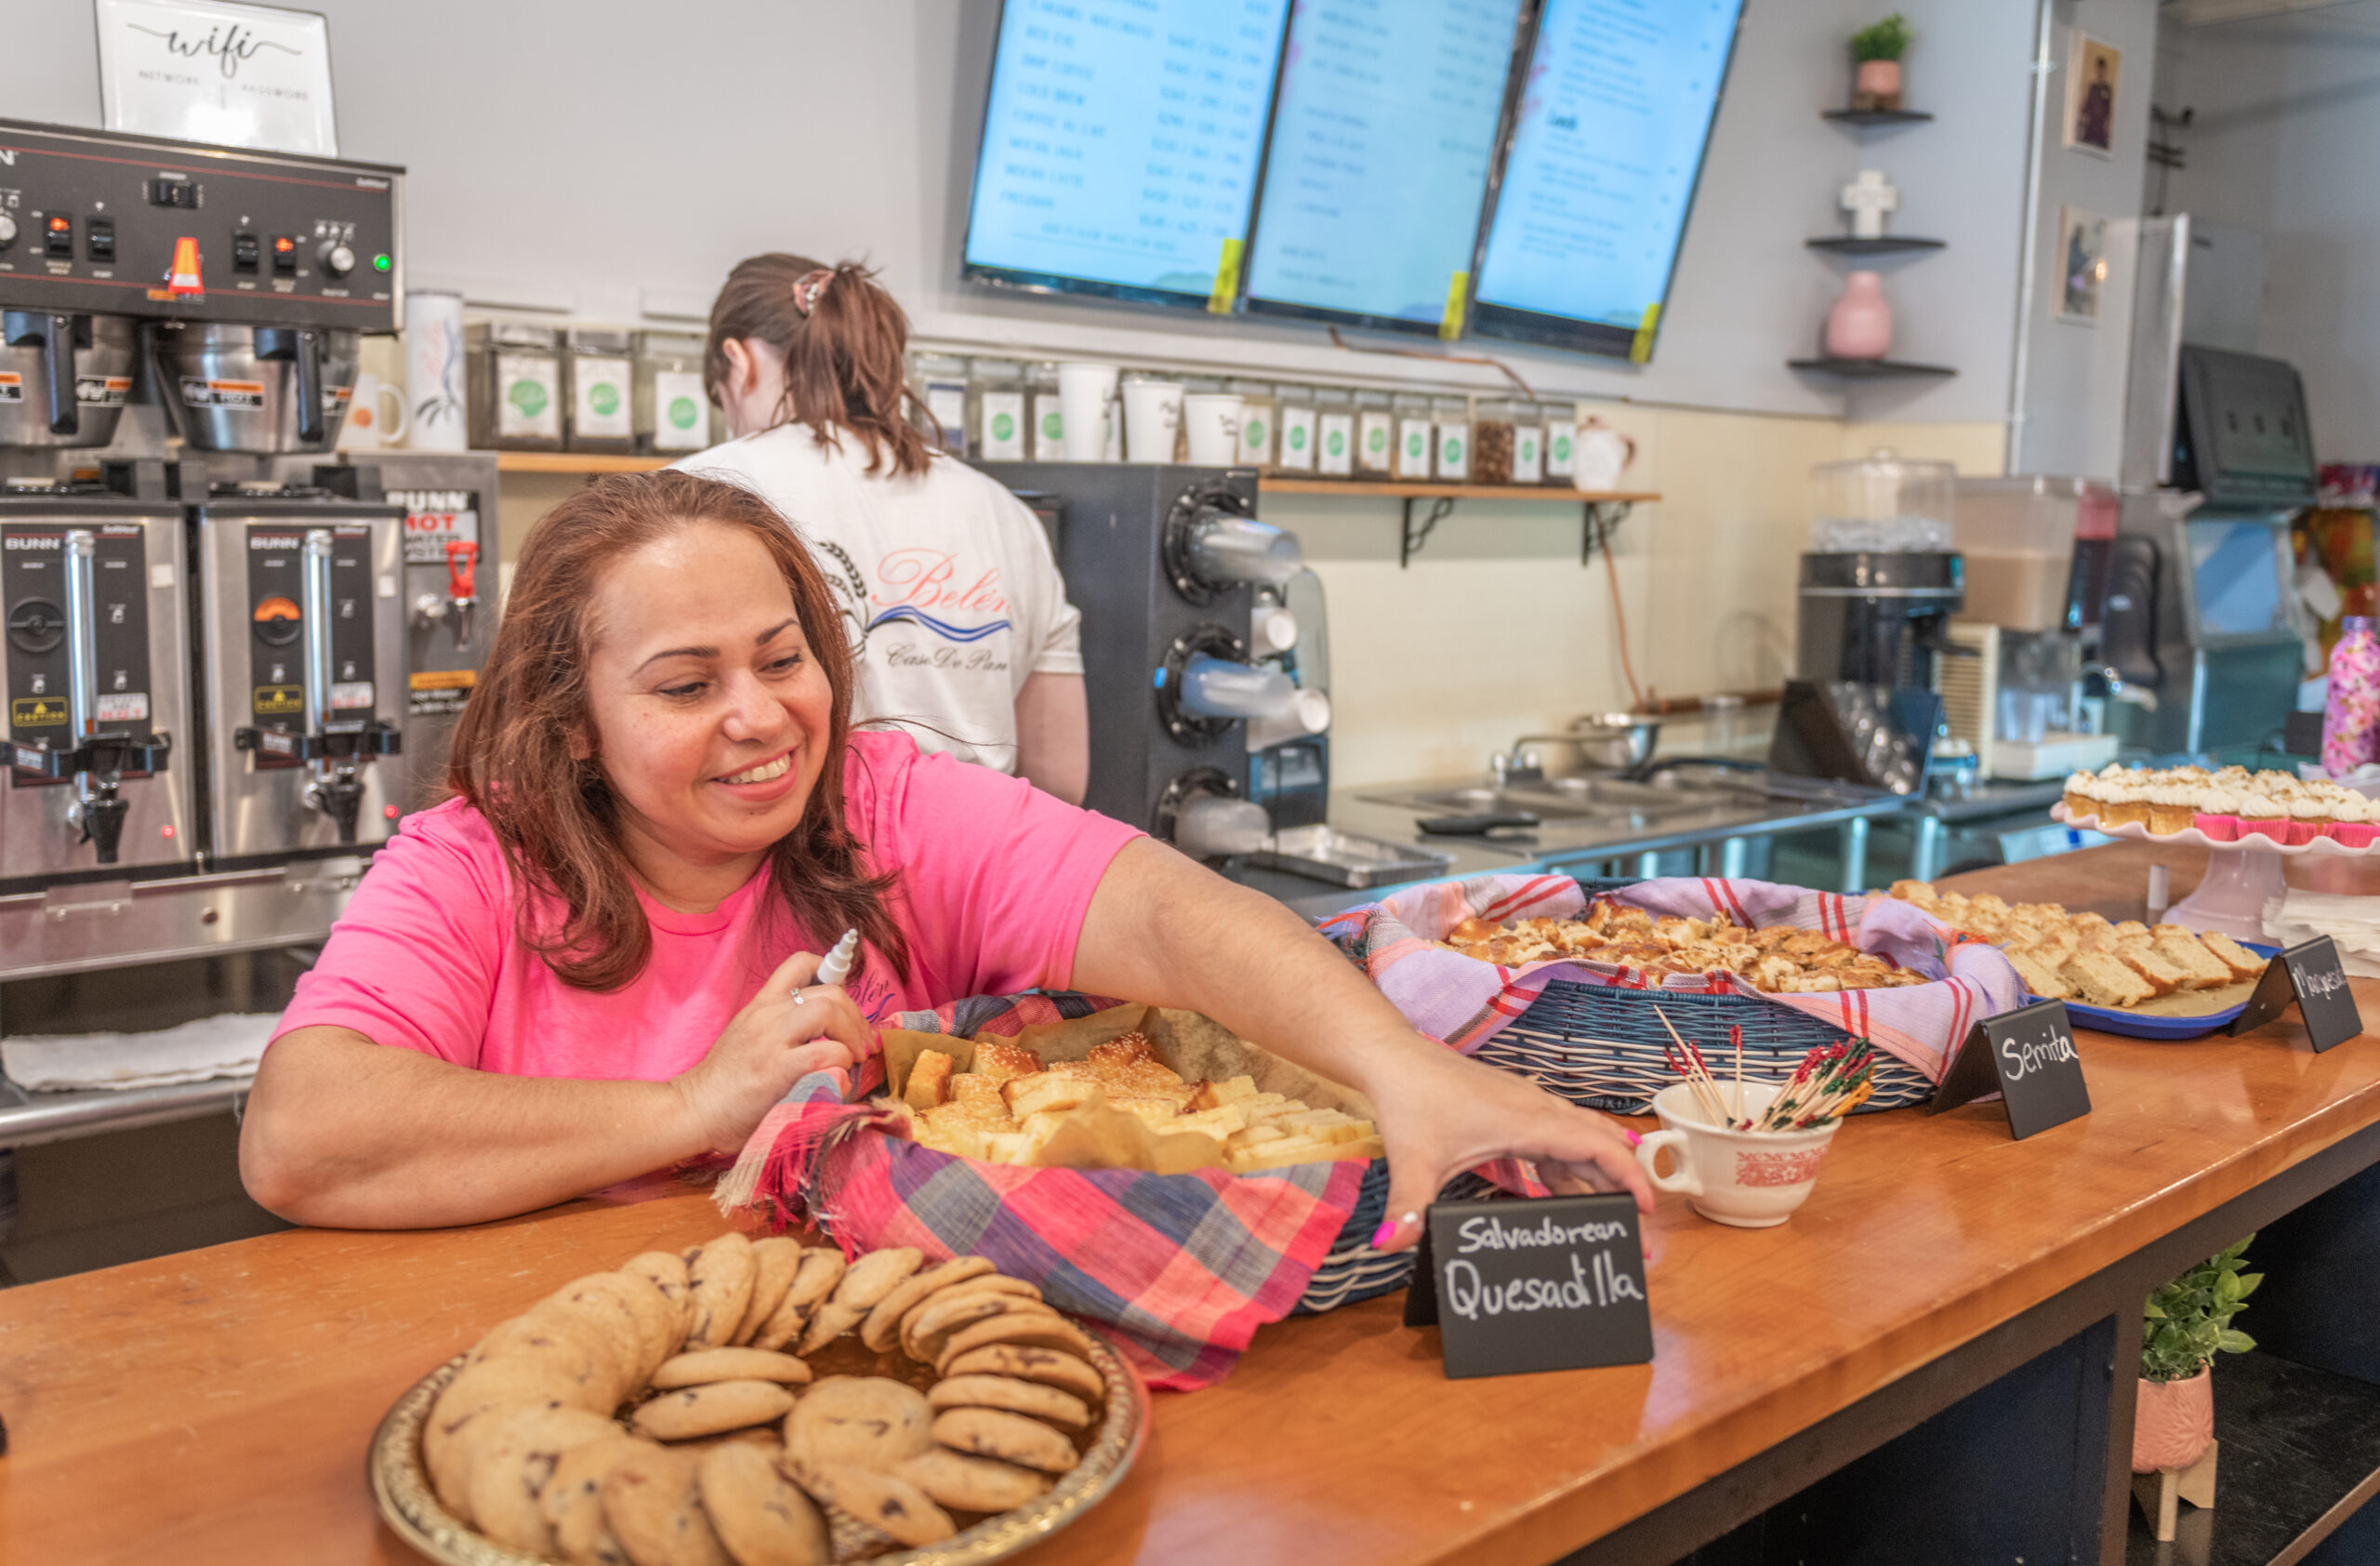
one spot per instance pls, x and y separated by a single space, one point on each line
1162 560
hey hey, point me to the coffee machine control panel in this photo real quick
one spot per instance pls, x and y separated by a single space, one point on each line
101 222
38 567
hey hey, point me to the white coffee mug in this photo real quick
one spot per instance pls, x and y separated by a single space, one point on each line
375 415
1212 419
1602 455
1086 410
434 372
1747 1179
1152 419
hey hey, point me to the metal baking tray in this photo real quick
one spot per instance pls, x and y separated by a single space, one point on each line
1348 858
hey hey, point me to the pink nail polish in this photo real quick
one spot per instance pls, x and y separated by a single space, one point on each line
1632 1138
1383 1234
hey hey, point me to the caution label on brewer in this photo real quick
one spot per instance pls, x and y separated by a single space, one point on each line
102 390
278 701
200 392
443 679
34 711
12 386
122 707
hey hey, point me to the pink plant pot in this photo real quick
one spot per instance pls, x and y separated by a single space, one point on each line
1861 325
2173 1424
1877 84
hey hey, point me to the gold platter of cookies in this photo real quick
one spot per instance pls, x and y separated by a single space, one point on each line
760 1403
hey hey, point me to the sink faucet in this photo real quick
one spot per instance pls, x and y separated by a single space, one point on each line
1522 766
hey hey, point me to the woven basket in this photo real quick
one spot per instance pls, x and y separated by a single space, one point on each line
1601 1046
1354 1271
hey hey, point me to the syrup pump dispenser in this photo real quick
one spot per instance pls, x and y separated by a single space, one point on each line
336 748
97 759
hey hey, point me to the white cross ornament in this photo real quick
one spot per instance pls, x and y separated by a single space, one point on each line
1868 198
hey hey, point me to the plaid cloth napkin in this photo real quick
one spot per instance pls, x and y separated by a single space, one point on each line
1183 1268
1467 1002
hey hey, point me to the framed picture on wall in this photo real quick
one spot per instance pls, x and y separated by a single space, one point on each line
2092 69
2081 265
214 71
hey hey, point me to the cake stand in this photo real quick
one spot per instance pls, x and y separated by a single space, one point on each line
2240 877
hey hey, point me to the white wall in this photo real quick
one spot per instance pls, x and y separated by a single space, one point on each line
2288 113
611 156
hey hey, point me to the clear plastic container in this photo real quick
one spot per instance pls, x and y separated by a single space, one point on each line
599 379
1561 441
1452 417
1298 415
1259 422
1415 436
1049 422
1375 436
1494 442
515 384
1882 502
1528 443
940 382
673 410
1334 433
996 422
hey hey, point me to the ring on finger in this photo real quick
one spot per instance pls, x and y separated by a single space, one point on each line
798 998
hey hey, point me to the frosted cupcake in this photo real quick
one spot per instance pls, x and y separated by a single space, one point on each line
2355 822
2309 816
2123 804
2218 815
2261 815
2172 805
2235 779
2076 798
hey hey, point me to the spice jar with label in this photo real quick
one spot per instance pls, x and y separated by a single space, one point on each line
1415 436
1491 440
995 421
1375 436
940 382
598 381
1300 442
515 385
1049 423
1259 422
1334 433
1452 416
672 411
1529 444
1561 441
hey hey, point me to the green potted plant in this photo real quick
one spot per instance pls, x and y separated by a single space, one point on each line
1878 47
2188 1321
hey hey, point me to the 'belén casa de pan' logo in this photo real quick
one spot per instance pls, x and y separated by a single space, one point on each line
926 587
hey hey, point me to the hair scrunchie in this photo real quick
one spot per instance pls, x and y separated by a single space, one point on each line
807 287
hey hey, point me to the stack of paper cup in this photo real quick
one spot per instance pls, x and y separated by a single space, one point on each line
1212 419
1153 420
1086 410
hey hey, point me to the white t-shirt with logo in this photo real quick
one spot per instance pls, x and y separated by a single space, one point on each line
945 580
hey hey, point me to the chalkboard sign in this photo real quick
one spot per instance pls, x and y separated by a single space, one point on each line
2028 1058
2308 974
1555 1284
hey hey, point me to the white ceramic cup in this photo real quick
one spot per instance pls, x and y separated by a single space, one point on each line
1748 1179
1603 454
1152 418
1212 419
434 372
375 415
1086 410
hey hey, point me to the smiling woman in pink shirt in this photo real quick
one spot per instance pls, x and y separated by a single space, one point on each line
595 959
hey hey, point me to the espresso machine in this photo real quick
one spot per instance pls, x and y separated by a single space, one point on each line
1165 564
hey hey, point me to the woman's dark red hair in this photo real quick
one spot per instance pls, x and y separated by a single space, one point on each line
554 813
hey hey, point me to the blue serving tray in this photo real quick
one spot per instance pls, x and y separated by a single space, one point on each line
2169 1029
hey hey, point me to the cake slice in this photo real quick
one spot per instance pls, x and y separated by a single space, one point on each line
2183 950
2242 962
2098 980
2041 979
2142 959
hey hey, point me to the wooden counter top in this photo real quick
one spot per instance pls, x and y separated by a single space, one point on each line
215 1405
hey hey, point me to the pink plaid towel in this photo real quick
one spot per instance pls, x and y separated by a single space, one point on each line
1183 1268
1467 1002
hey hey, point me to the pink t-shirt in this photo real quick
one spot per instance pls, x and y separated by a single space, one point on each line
994 878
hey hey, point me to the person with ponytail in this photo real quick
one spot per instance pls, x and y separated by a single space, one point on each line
958 622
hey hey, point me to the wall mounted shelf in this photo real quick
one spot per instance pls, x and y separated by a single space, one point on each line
587 462
1600 511
1867 369
1874 116
1888 245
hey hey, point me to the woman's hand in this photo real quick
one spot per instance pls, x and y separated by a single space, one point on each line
1441 1114
782 1033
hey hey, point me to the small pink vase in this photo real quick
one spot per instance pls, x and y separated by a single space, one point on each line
2173 1423
1877 84
1861 325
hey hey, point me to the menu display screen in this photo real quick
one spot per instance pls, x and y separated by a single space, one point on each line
1121 143
1382 137
1607 146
